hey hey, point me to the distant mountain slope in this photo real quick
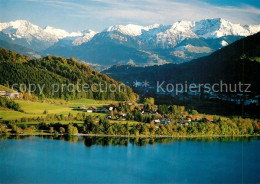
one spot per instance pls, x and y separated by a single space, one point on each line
225 64
104 50
7 55
19 49
143 45
51 70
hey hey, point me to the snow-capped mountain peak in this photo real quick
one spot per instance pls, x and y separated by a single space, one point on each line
154 36
60 33
25 33
153 26
215 28
21 26
131 29
14 24
24 29
87 36
182 26
252 28
174 34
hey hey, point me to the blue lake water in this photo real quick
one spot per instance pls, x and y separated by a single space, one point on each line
110 160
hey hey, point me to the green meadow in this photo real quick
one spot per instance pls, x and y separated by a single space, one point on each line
36 109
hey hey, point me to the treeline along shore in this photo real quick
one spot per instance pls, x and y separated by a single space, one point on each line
102 127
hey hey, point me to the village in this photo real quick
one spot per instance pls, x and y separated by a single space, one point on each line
149 113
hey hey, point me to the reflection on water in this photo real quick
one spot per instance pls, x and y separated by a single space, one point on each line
80 159
124 141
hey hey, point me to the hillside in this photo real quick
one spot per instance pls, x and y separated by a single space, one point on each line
51 71
226 64
7 55
19 49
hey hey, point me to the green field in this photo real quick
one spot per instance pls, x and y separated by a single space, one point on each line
130 122
90 102
36 109
7 114
62 122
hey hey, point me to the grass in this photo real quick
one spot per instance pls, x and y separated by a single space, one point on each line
62 122
130 122
36 109
89 102
7 114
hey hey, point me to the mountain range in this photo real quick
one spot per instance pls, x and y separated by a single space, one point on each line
134 44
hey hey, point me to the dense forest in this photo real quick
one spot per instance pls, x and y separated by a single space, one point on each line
19 69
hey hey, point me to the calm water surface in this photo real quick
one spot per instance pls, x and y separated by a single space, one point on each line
110 160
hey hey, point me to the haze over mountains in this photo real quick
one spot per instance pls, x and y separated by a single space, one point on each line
141 45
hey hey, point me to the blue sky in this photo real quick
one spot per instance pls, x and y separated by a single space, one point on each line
75 15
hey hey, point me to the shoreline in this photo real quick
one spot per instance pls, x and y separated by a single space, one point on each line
133 136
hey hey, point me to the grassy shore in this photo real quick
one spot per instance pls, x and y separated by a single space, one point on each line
38 133
36 109
57 118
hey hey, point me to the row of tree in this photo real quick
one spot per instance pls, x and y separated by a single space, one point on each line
10 104
236 126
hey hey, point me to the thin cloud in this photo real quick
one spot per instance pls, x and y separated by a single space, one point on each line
154 11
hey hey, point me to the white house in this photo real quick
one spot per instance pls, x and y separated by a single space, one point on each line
92 109
13 94
89 110
157 121
109 117
9 94
165 121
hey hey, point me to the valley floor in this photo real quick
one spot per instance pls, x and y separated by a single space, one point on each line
58 118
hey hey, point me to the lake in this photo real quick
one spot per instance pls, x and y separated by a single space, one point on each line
129 160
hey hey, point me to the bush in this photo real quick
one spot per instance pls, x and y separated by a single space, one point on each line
194 112
62 130
3 129
72 130
10 104
16 129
